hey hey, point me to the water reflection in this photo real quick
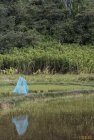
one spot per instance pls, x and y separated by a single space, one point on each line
21 124
43 126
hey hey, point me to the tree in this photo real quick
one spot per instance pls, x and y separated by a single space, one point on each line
84 27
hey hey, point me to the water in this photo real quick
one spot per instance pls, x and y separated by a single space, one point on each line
21 124
62 126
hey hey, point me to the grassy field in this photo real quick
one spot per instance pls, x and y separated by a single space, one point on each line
66 104
48 83
44 83
46 86
58 106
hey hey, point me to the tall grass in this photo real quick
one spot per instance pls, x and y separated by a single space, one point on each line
59 118
55 59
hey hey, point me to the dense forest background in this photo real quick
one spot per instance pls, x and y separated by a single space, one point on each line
24 23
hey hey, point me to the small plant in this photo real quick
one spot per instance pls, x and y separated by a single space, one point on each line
8 71
37 72
46 70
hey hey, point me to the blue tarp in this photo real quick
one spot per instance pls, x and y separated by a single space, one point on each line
21 123
21 87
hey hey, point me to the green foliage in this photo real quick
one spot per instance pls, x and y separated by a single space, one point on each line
9 71
21 22
35 28
84 27
62 59
19 39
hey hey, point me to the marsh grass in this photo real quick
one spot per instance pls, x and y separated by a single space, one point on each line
58 107
64 104
67 104
42 87
68 117
63 117
48 83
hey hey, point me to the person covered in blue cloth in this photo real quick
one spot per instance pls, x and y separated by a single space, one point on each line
21 87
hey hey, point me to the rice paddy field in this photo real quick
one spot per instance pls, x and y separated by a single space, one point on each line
58 107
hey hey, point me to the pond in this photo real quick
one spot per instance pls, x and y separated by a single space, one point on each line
52 126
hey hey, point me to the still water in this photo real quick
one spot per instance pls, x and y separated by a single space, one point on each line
62 126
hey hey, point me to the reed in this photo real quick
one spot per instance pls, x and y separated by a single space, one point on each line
61 59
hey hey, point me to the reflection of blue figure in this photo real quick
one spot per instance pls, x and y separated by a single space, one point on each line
21 124
21 87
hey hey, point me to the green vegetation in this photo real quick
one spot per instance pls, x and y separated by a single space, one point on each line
66 117
24 22
34 36
48 85
55 59
51 44
68 104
